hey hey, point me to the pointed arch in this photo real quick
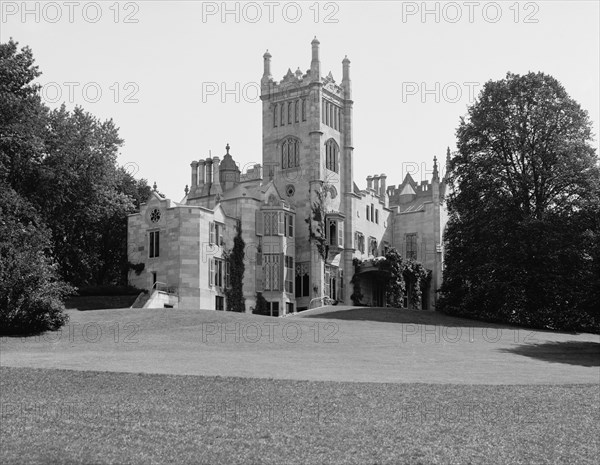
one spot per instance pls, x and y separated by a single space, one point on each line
332 150
290 153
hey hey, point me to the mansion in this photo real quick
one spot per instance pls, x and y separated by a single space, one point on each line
307 147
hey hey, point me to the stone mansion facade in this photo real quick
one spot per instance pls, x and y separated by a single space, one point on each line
307 146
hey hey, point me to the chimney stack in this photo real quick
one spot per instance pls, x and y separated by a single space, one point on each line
201 175
216 182
194 166
369 182
376 184
383 188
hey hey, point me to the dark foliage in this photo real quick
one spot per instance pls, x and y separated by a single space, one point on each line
522 242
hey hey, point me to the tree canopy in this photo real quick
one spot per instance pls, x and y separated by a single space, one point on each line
63 165
524 218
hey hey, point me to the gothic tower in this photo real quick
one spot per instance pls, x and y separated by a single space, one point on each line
307 145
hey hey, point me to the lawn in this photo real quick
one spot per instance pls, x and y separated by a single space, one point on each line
182 386
62 416
343 344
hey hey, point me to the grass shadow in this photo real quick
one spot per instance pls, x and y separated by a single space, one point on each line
99 302
582 353
402 316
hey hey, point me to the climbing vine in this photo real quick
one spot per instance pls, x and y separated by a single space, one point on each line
235 258
398 275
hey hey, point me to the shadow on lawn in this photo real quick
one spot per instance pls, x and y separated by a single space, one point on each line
583 353
403 316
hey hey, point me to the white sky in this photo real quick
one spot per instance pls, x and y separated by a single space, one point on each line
172 52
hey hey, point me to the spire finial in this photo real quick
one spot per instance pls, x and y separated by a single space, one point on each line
154 187
186 190
227 148
435 168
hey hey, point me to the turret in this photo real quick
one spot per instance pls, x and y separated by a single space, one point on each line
346 83
315 64
267 66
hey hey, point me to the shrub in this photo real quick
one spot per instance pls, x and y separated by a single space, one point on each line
31 292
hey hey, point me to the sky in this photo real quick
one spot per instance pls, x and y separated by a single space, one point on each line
180 78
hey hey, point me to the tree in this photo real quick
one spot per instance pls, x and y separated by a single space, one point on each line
65 164
31 292
235 292
523 225
23 119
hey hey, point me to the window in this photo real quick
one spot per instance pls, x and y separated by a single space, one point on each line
303 109
332 282
335 232
411 246
272 271
377 216
227 279
289 307
289 119
331 155
296 111
302 279
360 242
282 114
219 302
290 153
368 210
274 308
216 234
372 212
273 226
289 274
289 225
275 115
216 272
154 244
372 246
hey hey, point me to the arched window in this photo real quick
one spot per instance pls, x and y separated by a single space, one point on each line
296 111
331 155
303 109
290 153
275 116
282 114
290 113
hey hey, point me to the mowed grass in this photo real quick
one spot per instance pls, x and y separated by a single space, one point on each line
335 344
68 417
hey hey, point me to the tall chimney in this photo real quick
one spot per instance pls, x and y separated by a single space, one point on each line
194 166
376 184
369 182
383 177
209 175
216 182
201 175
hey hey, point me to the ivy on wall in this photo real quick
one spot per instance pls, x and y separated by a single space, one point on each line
397 276
234 292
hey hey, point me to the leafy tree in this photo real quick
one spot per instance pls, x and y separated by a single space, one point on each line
521 241
235 293
31 292
65 164
23 119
